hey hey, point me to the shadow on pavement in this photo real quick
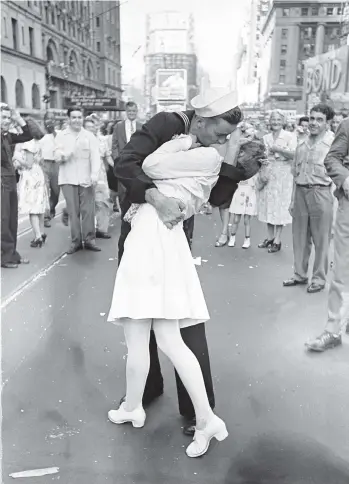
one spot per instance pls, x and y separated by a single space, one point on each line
288 460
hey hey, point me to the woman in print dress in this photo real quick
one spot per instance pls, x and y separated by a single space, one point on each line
275 197
32 197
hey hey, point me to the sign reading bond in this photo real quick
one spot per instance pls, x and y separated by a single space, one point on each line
91 102
327 72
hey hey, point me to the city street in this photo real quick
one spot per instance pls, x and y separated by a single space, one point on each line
64 367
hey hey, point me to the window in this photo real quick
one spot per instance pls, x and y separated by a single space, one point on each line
35 97
340 10
329 11
53 100
89 71
284 49
315 11
282 79
31 41
53 18
3 90
74 30
282 63
109 76
14 33
98 46
97 21
19 94
284 33
114 78
285 12
64 25
4 26
23 36
304 12
46 14
98 73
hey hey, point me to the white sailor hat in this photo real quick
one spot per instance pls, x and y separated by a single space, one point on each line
214 102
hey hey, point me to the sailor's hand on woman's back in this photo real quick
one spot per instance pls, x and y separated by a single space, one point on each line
170 210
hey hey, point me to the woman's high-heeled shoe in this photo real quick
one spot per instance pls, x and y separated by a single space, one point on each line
120 416
216 428
265 244
36 243
274 248
222 241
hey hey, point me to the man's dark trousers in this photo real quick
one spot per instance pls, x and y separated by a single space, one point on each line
193 336
9 220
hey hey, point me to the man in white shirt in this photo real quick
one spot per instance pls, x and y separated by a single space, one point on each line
50 168
122 134
77 152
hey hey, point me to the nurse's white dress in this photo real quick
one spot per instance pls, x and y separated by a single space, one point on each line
157 278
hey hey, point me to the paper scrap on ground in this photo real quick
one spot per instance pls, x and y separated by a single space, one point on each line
220 265
197 261
102 314
204 260
35 472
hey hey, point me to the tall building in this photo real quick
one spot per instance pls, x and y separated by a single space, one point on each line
248 52
293 32
170 61
22 58
55 50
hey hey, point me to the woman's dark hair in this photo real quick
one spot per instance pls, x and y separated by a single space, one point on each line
233 116
324 109
73 108
303 118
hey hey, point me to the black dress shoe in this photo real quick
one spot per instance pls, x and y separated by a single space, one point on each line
9 265
102 235
315 288
189 427
92 247
74 248
294 282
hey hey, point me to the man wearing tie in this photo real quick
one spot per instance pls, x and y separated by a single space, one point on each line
122 134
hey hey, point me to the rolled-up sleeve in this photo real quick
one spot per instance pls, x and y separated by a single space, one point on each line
334 161
128 165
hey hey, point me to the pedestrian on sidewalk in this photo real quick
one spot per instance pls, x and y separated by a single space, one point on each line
337 166
216 115
157 286
274 199
312 202
50 167
77 152
33 196
10 258
244 204
102 196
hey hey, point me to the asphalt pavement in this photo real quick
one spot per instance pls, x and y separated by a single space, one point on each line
63 368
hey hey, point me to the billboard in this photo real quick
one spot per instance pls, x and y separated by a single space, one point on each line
171 84
326 74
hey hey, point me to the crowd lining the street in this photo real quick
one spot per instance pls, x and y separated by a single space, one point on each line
285 174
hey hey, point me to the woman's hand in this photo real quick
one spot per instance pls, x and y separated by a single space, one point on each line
195 143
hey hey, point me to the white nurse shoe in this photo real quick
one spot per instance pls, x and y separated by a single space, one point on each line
216 428
120 416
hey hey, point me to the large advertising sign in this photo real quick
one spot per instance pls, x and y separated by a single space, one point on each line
326 74
171 84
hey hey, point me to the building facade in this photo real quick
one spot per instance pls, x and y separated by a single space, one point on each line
23 81
170 62
65 48
293 32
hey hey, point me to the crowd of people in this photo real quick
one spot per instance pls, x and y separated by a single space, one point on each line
160 176
75 157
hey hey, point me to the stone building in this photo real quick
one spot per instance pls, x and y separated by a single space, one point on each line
70 48
294 31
